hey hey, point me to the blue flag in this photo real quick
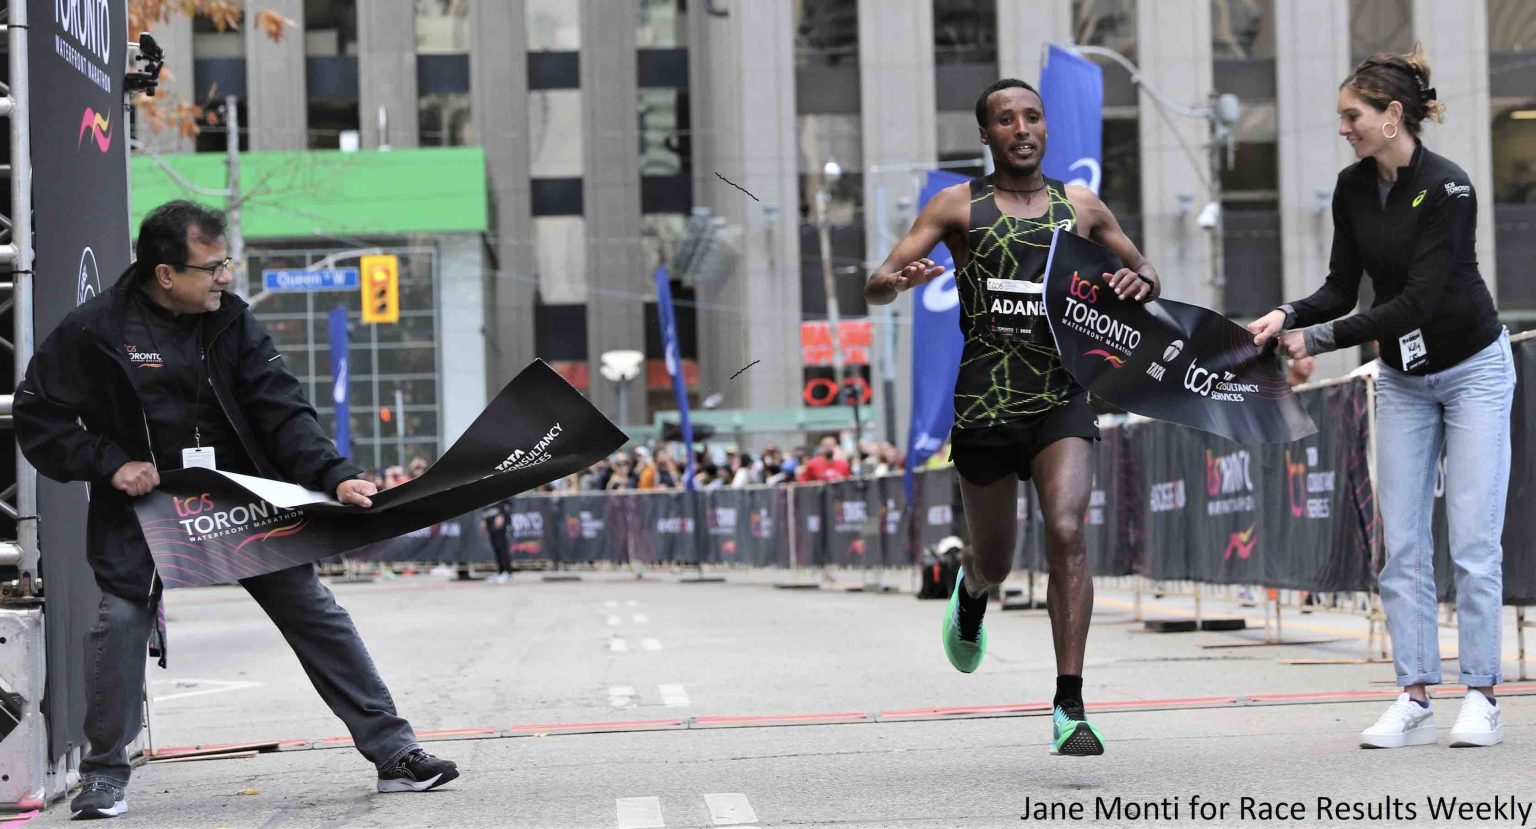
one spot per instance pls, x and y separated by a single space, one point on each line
674 365
1072 88
936 346
340 372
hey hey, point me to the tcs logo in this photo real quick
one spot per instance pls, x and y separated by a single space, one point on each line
193 505
1083 289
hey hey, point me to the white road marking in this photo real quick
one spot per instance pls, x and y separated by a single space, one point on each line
642 619
651 644
620 696
730 809
216 686
618 645
631 603
640 813
673 696
610 604
613 621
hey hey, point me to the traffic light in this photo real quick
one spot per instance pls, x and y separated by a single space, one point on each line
381 288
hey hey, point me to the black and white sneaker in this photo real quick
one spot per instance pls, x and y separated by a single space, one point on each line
99 799
416 771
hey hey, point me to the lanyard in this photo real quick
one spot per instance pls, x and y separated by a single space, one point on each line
197 383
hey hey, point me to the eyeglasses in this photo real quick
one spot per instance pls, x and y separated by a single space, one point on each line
211 270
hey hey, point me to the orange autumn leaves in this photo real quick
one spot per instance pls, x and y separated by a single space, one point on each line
165 112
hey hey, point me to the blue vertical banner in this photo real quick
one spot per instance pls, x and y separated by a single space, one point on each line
936 346
1072 89
674 354
340 372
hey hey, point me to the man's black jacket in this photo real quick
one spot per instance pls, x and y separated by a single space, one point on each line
80 418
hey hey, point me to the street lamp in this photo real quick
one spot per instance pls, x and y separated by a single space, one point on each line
620 367
831 173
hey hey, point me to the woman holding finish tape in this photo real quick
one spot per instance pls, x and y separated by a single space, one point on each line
1408 217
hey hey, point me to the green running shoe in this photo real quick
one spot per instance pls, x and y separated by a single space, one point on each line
965 643
1072 734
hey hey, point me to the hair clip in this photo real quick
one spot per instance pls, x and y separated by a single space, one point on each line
1429 94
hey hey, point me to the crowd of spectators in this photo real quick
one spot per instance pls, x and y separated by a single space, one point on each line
643 468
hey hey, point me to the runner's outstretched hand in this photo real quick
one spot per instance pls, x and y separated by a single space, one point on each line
917 273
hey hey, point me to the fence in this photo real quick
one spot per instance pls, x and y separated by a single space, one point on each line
1169 503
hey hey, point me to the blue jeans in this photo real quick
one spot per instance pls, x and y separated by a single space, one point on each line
1465 409
317 628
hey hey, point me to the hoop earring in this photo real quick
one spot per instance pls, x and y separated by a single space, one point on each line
1393 125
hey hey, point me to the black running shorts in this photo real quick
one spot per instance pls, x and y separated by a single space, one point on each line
984 456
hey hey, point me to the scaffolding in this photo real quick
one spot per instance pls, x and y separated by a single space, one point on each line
23 738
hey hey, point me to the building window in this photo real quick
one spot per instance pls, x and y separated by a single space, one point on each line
553 25
1112 24
1377 26
826 34
965 31
560 258
442 27
663 25
964 51
1512 99
383 358
330 62
442 73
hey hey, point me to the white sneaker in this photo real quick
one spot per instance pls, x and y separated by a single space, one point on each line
1406 723
1478 724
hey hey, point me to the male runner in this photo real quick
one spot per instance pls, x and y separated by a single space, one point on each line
1018 413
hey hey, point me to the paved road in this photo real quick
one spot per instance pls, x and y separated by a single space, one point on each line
613 702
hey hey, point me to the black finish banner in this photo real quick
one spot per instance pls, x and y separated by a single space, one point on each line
1163 359
209 527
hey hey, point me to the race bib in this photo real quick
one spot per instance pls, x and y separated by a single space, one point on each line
1016 311
1415 352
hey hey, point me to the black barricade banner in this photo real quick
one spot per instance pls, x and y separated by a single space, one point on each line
671 527
623 520
895 529
531 526
1031 524
1107 525
584 535
847 516
1520 517
1225 539
810 525
461 540
1172 475
725 519
209 527
1317 521
766 541
1520 507
935 515
1164 359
